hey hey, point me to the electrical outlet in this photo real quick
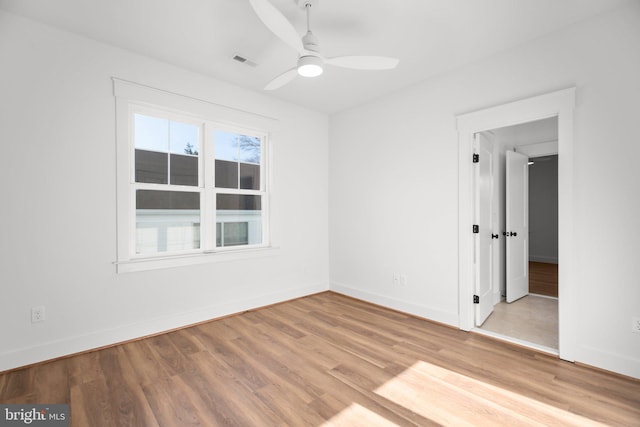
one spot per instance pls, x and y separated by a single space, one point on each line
37 314
635 326
396 279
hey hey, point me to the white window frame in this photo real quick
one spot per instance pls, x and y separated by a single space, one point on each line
132 98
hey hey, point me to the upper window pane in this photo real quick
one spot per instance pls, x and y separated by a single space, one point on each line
166 151
238 160
250 149
226 145
151 133
152 166
249 176
184 169
184 138
226 174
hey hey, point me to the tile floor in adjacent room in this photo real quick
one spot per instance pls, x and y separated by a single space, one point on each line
533 318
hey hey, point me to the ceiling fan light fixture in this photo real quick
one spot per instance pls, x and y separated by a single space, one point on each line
310 66
310 62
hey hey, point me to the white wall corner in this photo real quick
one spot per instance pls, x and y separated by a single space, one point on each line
411 308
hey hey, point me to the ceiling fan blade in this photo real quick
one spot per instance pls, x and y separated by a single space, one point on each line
282 79
364 62
277 23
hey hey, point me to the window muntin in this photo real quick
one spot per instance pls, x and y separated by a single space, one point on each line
177 209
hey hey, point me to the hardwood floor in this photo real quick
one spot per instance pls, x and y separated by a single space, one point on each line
324 360
543 278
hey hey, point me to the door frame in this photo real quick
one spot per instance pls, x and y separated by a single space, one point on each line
558 104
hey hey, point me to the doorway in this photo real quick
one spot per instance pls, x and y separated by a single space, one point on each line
525 295
558 104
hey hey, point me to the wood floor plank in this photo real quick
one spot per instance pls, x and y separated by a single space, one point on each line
543 278
85 367
172 406
324 360
128 398
185 342
212 383
17 384
226 394
166 353
148 367
92 401
53 382
358 391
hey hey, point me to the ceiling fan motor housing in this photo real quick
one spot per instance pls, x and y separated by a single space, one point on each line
310 42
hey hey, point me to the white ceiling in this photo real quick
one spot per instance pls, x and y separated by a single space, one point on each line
429 37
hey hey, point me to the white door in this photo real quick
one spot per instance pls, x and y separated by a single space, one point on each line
517 233
484 220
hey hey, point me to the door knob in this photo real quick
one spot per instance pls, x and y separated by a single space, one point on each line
511 233
494 236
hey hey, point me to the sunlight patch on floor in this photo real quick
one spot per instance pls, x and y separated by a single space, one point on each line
450 398
358 416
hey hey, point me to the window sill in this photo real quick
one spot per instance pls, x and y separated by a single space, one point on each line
155 263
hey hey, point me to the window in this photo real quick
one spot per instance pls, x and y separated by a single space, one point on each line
238 159
166 183
172 158
193 186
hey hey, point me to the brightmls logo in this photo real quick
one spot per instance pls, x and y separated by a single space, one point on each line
36 415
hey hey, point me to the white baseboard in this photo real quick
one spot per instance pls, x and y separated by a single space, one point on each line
396 304
609 361
76 344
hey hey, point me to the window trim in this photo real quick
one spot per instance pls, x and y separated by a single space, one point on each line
132 97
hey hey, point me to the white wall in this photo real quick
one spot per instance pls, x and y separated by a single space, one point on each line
543 210
58 214
394 181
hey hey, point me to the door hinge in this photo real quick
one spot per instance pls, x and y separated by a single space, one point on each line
476 299
476 158
476 228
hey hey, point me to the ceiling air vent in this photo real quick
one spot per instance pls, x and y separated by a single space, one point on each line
244 60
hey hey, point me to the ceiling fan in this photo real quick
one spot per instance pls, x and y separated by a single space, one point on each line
310 61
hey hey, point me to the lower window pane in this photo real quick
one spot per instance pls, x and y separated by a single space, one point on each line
239 220
236 233
167 221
